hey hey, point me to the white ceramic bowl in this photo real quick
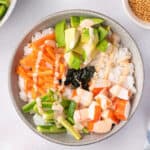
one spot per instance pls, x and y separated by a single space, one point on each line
50 21
133 17
9 11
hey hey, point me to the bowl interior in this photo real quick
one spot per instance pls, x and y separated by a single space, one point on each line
50 21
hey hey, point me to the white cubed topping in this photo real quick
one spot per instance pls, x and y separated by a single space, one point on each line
102 126
120 92
103 100
85 97
81 115
92 110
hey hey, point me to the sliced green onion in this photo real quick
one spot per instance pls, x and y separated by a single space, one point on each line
70 128
50 129
28 107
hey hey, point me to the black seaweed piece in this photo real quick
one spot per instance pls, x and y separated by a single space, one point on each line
81 76
60 81
75 83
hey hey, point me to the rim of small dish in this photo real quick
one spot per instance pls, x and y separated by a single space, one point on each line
8 12
133 17
13 99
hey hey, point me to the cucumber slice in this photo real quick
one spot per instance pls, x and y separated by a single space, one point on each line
2 11
60 33
6 3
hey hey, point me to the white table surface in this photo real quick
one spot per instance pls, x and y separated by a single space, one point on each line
14 134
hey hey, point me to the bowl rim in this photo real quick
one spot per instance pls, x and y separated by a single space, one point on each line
11 63
8 12
133 17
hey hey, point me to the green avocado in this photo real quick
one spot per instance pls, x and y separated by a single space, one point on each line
103 32
94 21
97 20
89 44
73 59
103 45
60 33
85 36
80 51
6 3
72 36
2 10
75 21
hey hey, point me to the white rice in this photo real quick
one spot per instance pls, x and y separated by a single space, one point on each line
121 54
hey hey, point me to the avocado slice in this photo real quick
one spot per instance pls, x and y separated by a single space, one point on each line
91 21
97 20
80 51
60 33
6 3
103 32
103 45
2 11
75 21
90 46
73 60
72 36
85 36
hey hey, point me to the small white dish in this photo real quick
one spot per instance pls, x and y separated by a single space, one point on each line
9 11
133 17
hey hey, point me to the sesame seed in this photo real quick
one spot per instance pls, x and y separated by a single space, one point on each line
141 9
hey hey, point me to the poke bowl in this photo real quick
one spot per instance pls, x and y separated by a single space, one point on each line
76 78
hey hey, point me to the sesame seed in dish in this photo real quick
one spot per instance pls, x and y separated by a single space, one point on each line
141 8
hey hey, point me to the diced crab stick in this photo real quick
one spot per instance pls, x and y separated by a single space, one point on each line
102 126
81 115
94 111
119 92
104 101
85 97
96 91
122 109
110 114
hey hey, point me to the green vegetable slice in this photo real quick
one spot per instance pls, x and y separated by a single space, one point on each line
75 21
65 103
71 110
85 36
103 32
2 11
103 45
60 33
50 129
97 20
28 107
70 128
6 3
74 60
72 36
